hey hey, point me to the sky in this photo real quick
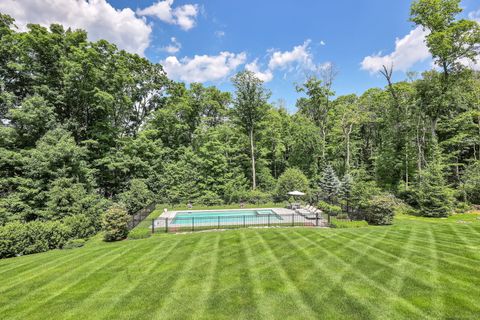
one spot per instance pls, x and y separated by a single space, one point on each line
283 42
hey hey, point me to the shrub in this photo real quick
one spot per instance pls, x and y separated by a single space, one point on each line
74 243
342 216
329 209
13 239
381 210
25 238
80 226
115 223
137 196
210 198
139 233
292 179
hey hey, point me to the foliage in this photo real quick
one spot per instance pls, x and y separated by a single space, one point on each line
381 210
290 180
115 223
434 197
74 243
26 238
471 183
136 197
329 184
329 209
139 233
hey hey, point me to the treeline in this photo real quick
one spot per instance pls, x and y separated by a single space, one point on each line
84 124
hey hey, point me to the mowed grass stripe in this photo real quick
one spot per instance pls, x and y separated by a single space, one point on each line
41 294
117 283
190 292
364 276
419 271
20 290
325 278
305 310
146 299
232 288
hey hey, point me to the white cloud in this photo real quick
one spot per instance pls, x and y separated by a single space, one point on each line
183 16
97 17
202 68
219 34
322 43
300 56
173 47
265 76
408 51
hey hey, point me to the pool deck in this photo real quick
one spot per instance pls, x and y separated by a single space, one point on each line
297 218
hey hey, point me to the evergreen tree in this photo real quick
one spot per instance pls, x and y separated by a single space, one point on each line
345 191
329 184
434 197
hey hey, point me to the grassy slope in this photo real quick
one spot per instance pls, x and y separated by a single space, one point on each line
418 268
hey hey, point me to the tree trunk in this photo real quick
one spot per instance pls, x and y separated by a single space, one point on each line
252 149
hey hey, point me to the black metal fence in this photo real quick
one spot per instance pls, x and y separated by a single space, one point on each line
140 215
190 224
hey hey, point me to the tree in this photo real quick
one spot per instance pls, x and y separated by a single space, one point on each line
250 108
136 197
471 183
434 197
449 40
345 191
329 184
292 179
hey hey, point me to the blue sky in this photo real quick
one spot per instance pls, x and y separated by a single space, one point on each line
209 40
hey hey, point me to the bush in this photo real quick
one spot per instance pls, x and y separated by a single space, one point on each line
137 197
381 210
74 243
329 209
13 239
25 238
292 179
251 196
139 233
81 226
210 198
342 216
115 223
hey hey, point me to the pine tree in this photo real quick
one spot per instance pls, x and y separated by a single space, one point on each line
345 191
329 184
433 195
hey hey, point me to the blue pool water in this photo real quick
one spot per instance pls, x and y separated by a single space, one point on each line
198 217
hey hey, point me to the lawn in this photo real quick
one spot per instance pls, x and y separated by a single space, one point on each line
415 269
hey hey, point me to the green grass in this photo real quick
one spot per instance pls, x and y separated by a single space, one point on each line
416 269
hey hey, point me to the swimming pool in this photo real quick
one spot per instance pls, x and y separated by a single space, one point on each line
199 217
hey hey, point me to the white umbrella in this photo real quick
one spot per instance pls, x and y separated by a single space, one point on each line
296 193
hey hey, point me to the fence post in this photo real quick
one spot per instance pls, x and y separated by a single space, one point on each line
244 221
193 223
269 220
153 225
218 222
166 225
293 219
328 214
316 219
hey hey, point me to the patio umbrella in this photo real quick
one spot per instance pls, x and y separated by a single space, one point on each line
296 193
